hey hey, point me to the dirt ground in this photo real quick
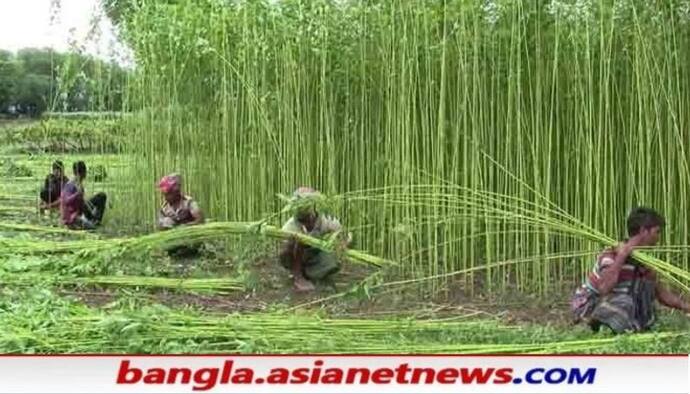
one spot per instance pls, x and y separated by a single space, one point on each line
272 289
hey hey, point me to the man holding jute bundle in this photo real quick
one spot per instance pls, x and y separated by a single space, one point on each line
307 263
620 293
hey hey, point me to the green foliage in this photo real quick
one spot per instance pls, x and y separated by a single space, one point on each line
8 168
8 78
318 202
98 173
35 80
33 93
67 135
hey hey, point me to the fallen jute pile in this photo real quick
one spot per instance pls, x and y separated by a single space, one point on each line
46 323
222 230
91 248
179 236
458 203
192 285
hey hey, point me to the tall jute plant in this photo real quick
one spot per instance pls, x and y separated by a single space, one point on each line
583 101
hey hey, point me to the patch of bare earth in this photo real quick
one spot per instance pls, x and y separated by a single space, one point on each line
272 289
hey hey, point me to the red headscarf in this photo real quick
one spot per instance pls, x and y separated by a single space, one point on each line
170 183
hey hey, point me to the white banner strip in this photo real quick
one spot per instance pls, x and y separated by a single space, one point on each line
344 374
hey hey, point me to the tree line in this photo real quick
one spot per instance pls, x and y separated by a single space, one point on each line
35 80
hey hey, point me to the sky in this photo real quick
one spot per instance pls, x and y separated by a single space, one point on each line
38 23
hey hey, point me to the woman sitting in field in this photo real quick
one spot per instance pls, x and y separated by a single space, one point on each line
77 212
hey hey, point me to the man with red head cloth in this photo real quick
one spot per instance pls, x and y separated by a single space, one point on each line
178 209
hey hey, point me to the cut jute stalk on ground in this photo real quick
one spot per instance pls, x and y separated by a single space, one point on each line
209 285
176 237
45 229
77 328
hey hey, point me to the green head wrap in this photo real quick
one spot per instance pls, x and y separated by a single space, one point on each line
304 199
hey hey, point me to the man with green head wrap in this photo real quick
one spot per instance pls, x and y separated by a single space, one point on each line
307 263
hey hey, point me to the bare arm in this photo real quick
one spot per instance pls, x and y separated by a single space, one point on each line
670 299
609 276
53 204
162 219
297 255
197 215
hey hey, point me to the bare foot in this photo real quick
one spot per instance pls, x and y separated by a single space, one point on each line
303 285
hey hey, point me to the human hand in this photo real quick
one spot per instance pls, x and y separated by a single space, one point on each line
637 239
166 222
74 217
183 215
633 243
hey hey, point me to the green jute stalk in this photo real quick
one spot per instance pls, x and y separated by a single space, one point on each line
178 236
44 229
212 285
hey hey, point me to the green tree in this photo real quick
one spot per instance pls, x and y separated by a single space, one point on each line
33 93
41 61
37 80
8 79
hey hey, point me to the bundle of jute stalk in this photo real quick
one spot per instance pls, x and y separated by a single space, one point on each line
45 230
216 285
457 204
178 236
219 230
10 246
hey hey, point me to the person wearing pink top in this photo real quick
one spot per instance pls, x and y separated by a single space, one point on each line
77 212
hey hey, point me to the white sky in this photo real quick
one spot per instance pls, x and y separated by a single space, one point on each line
27 23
